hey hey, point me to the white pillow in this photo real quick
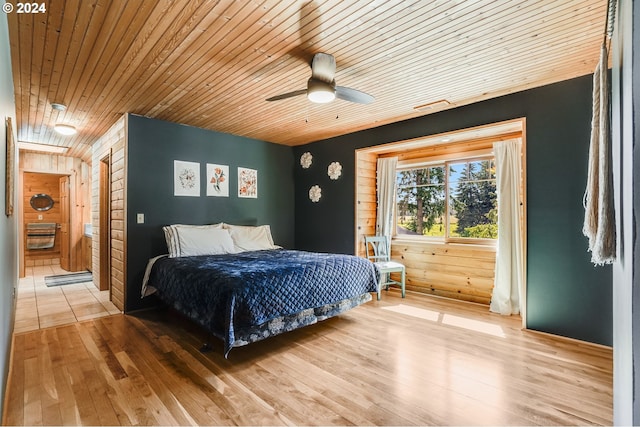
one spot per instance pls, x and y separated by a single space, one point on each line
170 239
248 238
208 241
181 240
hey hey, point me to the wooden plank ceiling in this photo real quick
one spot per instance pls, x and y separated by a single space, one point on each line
211 64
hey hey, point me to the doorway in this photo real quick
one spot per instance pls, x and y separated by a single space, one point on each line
46 218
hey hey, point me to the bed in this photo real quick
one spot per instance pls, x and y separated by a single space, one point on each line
242 295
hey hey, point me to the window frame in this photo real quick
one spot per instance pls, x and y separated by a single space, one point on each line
464 157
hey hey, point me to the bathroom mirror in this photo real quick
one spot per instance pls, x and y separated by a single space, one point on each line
41 202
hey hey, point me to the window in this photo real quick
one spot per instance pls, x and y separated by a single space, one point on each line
449 200
421 195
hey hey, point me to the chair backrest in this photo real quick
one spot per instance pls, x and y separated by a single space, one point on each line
377 248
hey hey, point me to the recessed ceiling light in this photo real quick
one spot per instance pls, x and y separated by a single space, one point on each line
58 107
32 146
65 129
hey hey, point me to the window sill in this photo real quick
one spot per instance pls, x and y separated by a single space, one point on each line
488 246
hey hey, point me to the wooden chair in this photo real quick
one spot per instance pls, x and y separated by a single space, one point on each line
378 250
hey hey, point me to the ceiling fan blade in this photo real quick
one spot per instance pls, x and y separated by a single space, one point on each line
287 95
353 95
323 67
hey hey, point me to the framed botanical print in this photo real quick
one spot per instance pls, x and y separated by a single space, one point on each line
217 180
186 178
247 183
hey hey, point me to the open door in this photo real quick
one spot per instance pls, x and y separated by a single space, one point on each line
65 262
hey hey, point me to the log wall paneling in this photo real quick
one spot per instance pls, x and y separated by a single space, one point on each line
112 145
448 270
30 162
118 227
365 211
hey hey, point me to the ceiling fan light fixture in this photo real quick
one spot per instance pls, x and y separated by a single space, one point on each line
320 92
321 87
65 129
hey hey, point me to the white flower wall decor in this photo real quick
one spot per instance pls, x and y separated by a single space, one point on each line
315 193
334 170
305 160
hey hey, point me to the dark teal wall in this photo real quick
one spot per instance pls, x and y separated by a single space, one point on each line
566 294
153 145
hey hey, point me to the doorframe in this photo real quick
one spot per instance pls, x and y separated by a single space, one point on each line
66 179
21 248
104 249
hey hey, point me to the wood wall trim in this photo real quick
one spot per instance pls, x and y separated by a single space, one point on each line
492 130
523 298
449 149
105 218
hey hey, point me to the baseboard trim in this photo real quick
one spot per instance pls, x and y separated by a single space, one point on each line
569 339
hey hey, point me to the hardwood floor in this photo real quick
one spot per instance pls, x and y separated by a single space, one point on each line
420 360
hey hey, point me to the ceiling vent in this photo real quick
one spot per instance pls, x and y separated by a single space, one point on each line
437 105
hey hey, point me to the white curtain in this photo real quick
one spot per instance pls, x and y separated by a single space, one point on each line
509 281
386 190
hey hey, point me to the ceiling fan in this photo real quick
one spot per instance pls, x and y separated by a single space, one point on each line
321 86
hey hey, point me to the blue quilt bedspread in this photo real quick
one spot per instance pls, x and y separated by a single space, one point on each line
229 293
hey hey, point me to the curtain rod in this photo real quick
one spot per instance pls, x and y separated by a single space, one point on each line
609 22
